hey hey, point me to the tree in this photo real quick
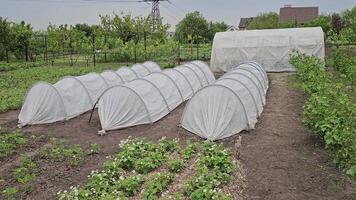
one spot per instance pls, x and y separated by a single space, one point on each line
264 21
323 21
349 22
130 28
336 23
22 36
215 27
88 30
193 28
5 39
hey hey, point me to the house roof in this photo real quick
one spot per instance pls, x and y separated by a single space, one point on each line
245 21
231 27
299 14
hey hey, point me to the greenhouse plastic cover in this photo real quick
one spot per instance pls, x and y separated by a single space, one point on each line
72 96
150 98
232 104
270 47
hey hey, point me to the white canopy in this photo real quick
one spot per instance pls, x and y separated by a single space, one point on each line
269 47
148 99
72 96
230 105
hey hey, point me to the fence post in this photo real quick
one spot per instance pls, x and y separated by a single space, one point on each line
178 52
197 46
46 49
145 40
105 53
135 52
94 61
7 55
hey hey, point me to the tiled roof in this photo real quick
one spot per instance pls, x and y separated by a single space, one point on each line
299 14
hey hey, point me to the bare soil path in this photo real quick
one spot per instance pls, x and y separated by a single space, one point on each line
282 159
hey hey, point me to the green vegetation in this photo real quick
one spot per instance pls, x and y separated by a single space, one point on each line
194 28
156 185
176 165
117 38
345 65
131 185
60 151
10 193
121 178
10 142
215 168
329 112
189 150
94 149
25 173
18 65
339 29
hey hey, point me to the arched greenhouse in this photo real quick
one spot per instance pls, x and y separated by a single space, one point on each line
72 96
232 104
150 98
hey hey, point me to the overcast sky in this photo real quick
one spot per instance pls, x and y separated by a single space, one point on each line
42 12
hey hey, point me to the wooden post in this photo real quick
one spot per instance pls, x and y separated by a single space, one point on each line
145 40
94 61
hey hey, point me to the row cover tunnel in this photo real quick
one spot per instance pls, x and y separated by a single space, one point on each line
72 96
150 98
232 104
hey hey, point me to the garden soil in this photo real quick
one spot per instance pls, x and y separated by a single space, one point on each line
280 159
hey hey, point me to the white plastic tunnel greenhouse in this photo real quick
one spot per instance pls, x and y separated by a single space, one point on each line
270 47
72 96
232 104
150 98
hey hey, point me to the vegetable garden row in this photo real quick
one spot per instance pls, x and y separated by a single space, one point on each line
329 110
140 170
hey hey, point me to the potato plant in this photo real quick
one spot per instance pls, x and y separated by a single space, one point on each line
123 174
156 185
215 168
25 173
328 112
176 165
10 142
60 151
130 173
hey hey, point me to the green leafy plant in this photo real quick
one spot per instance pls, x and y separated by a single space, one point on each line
176 165
215 168
59 151
328 112
10 142
25 173
10 193
94 149
131 185
151 161
189 150
157 184
167 145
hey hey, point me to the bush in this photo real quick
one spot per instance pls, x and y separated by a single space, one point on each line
345 65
